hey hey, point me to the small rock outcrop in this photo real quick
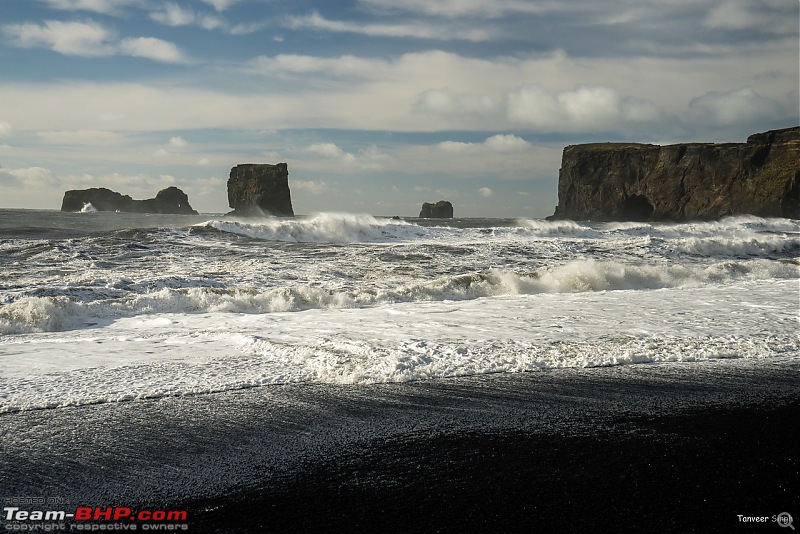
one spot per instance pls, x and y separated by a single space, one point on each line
640 182
170 200
260 189
440 210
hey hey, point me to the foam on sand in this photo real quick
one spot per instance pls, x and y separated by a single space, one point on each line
166 354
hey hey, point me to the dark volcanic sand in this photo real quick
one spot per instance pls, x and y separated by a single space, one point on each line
653 448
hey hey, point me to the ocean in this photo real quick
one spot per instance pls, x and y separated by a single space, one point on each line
109 307
351 372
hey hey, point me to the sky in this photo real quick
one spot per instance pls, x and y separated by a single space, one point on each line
376 105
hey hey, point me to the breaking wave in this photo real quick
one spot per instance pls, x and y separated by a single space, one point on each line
321 228
733 237
54 313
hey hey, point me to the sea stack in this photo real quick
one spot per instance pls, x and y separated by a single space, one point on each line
170 200
641 182
256 190
440 210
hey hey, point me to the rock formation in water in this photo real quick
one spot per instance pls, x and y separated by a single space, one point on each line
440 210
640 182
169 200
260 189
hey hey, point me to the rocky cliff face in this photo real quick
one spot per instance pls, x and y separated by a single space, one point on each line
619 181
169 200
440 210
260 189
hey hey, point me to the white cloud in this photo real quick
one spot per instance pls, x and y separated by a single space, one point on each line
251 27
178 142
137 186
485 192
344 66
501 143
89 39
209 22
464 8
175 143
455 146
5 129
502 156
732 107
551 92
328 150
729 15
221 5
171 14
461 93
106 7
506 143
152 48
370 158
418 30
446 102
777 17
30 177
583 108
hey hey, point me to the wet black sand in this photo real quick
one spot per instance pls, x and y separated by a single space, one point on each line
647 448
688 473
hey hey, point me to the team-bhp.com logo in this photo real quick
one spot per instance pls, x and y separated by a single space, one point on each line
93 518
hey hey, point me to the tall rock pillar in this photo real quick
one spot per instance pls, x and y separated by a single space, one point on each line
260 189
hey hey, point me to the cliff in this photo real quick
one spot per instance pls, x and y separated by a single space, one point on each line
440 210
260 189
623 181
169 200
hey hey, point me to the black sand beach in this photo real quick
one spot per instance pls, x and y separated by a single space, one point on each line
656 448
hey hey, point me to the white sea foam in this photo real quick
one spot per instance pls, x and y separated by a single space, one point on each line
180 354
99 315
321 228
739 246
564 227
738 237
88 208
44 314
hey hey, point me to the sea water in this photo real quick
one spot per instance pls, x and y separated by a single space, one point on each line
107 307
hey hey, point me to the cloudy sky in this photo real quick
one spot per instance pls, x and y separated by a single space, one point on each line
376 105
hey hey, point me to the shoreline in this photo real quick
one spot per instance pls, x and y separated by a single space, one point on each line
666 447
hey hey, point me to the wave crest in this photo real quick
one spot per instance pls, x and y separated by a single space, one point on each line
42 314
321 228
